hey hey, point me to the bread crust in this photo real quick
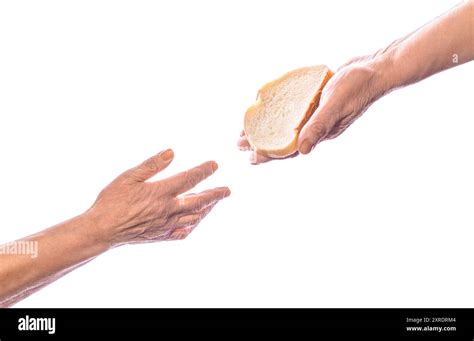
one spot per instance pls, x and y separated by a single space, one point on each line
291 147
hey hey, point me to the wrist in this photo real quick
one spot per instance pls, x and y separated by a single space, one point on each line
92 228
386 78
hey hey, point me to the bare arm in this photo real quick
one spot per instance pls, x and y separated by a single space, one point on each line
129 210
445 42
59 250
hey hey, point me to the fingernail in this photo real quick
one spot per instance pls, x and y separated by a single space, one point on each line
306 147
214 166
167 155
227 193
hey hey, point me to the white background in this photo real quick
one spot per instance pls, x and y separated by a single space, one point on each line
380 217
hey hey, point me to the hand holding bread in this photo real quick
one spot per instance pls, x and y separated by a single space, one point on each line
307 106
282 123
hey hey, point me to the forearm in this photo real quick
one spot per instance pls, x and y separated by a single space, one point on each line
15 298
445 42
60 249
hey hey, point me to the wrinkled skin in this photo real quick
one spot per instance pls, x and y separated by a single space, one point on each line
131 210
346 96
361 81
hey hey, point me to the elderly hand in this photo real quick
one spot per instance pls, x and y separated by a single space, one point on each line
361 81
131 210
347 95
352 89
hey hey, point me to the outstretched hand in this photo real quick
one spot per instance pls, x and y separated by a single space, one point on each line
131 210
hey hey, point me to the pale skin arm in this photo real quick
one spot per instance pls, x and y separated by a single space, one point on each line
445 42
129 210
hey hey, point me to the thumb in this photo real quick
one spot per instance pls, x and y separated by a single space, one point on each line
150 167
315 130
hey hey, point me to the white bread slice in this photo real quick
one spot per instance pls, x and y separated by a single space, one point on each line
283 106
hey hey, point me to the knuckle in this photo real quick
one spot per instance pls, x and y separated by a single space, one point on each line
181 201
151 164
196 221
199 205
189 178
318 129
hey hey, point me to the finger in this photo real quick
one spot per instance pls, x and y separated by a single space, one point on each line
184 181
336 131
181 233
195 218
243 144
187 224
256 158
315 130
150 167
197 202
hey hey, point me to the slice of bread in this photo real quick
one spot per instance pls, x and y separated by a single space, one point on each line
283 106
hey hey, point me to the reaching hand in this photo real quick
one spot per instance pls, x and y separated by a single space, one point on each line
131 210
